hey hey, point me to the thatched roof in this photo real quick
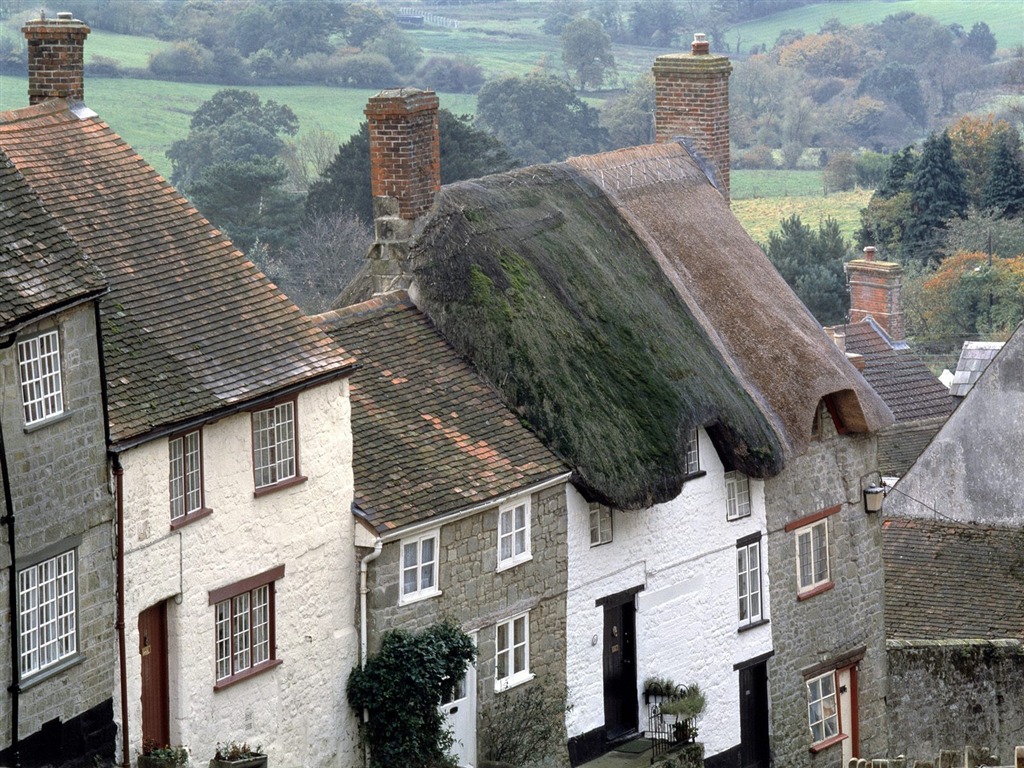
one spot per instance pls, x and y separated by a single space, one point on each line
616 303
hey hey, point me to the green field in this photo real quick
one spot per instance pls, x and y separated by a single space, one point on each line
762 215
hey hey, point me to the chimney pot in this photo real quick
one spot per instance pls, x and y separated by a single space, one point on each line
65 15
869 253
700 45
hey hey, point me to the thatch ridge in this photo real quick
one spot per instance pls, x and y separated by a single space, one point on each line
535 277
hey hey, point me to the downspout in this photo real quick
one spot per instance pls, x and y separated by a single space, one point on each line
122 661
12 590
363 592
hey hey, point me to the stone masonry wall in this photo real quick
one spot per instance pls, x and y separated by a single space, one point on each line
62 500
949 694
477 596
849 616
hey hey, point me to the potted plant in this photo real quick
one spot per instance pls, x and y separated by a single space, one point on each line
238 754
686 705
155 756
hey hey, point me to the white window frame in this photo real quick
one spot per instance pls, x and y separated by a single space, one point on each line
185 474
512 652
749 583
275 455
693 453
47 613
737 495
600 524
42 391
419 567
823 708
514 533
812 551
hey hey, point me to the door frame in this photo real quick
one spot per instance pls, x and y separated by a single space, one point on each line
153 676
622 695
754 714
468 701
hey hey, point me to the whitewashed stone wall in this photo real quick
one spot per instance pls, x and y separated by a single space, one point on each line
297 710
684 554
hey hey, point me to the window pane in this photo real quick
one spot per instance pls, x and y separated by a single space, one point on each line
260 624
241 638
193 473
427 572
223 633
502 656
39 366
803 546
177 478
820 552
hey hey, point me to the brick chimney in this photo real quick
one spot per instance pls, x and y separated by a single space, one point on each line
875 292
56 55
691 99
405 154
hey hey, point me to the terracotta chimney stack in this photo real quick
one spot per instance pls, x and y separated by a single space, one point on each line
56 56
405 153
691 100
875 292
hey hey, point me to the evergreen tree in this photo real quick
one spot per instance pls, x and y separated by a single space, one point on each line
937 193
812 264
1004 187
899 173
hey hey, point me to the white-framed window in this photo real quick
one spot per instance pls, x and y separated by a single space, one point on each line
419 567
600 524
812 555
748 581
513 533
42 393
274 454
512 653
822 707
693 453
47 613
244 633
737 496
185 482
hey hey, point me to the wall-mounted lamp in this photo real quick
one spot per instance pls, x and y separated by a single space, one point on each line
873 496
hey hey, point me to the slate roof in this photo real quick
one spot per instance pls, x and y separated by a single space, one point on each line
616 302
974 359
910 390
430 436
41 267
190 326
948 581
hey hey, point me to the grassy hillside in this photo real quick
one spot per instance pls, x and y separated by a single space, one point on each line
762 215
1004 17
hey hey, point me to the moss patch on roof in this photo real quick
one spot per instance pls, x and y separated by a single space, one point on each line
535 277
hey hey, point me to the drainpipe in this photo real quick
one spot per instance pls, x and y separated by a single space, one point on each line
12 590
363 592
123 662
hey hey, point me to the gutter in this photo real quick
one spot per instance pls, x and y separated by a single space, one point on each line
122 660
378 544
12 589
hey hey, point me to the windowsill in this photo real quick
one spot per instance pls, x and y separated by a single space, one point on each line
694 475
821 746
507 564
418 597
815 591
736 518
599 543
191 517
227 682
43 423
268 489
508 683
752 625
50 672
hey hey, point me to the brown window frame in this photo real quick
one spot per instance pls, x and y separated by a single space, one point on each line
268 578
203 510
297 477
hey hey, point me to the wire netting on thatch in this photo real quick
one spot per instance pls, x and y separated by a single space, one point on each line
535 277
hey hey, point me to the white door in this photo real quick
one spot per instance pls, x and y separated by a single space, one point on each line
847 715
460 715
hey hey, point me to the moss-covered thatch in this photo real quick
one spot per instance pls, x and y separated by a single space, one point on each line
536 278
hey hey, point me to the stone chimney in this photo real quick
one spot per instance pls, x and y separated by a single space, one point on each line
691 100
56 56
405 154
875 292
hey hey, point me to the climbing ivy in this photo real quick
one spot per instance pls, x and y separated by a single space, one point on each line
402 686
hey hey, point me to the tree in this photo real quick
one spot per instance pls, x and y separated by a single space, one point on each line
466 153
629 119
587 50
402 687
974 143
812 264
399 48
936 194
899 174
980 42
655 22
539 118
985 231
897 84
1004 188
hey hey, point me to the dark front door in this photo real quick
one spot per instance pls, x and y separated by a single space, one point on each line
620 697
153 652
754 716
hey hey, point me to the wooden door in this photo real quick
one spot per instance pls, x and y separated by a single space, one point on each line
754 747
620 693
153 654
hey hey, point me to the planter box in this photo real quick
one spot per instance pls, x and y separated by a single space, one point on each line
248 762
147 761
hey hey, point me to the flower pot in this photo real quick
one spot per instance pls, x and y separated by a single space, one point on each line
245 762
